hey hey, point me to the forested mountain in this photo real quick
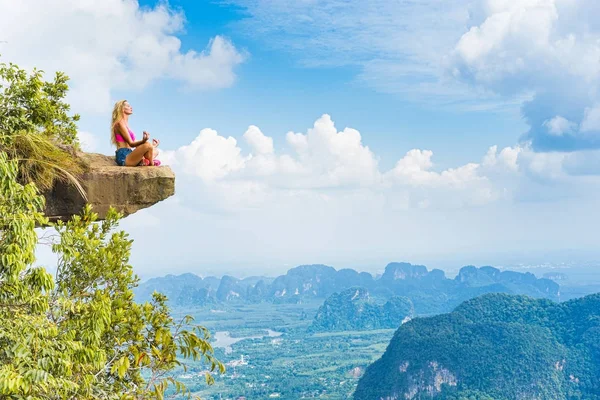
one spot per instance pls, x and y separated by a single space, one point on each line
496 346
354 309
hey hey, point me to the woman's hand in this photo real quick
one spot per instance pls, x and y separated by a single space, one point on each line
155 142
146 136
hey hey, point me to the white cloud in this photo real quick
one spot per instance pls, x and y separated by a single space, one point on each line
332 169
332 157
506 159
110 44
327 165
414 166
209 156
513 35
260 143
539 38
415 169
423 187
323 157
549 48
558 126
210 69
543 165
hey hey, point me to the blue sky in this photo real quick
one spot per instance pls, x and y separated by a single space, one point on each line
341 132
278 92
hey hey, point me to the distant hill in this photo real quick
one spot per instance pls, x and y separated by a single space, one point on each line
185 290
191 290
316 281
429 291
354 309
496 346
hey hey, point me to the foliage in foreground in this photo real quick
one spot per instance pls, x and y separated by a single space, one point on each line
35 126
78 334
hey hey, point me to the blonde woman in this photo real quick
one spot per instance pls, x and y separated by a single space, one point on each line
129 151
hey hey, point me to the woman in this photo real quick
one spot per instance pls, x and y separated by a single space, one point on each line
129 151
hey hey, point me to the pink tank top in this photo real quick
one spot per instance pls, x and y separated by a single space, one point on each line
119 138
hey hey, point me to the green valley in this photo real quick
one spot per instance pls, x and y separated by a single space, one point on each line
289 364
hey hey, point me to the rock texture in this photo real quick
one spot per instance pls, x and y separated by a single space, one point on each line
106 184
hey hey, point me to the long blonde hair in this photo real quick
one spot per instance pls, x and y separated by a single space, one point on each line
117 115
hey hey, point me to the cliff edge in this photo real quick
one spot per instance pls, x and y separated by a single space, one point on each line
106 184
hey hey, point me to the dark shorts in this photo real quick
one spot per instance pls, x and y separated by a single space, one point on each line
121 155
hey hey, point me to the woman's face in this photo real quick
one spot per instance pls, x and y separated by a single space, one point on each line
127 110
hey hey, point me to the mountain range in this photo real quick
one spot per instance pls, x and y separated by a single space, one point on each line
430 292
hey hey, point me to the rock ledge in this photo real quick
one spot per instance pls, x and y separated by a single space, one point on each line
106 184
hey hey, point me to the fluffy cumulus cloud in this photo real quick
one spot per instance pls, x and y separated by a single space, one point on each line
330 166
108 44
210 156
320 158
415 169
506 159
559 126
260 143
548 48
331 158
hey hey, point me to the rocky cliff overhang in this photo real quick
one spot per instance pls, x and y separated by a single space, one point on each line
106 184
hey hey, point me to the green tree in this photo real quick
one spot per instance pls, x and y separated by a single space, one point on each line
35 126
79 334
